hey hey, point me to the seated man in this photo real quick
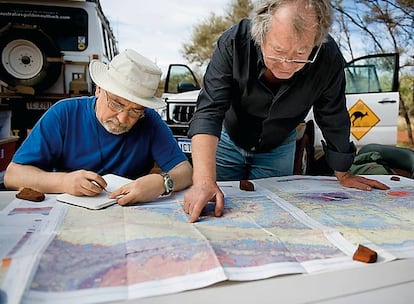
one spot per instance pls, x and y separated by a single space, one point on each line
116 131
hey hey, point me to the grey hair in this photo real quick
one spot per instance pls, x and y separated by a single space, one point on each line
263 14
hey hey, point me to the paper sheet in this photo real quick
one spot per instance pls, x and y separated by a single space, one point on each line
99 201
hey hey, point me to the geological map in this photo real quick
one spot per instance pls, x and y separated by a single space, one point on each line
287 226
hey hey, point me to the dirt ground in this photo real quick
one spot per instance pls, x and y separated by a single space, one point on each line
402 136
402 139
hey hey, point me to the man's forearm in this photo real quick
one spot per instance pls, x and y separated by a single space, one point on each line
18 176
181 175
204 148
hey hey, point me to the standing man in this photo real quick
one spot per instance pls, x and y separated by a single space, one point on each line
265 75
116 131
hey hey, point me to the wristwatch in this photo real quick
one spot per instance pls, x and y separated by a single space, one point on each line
168 183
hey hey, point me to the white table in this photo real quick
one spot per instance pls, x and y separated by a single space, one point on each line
391 282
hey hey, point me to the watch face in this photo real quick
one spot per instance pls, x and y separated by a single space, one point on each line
170 184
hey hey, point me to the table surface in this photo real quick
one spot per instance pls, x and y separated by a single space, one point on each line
391 282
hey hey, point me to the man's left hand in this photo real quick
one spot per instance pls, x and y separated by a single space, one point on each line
142 190
347 179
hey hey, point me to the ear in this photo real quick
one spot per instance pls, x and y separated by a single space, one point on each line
97 91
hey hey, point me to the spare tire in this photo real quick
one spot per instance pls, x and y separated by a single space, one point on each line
29 57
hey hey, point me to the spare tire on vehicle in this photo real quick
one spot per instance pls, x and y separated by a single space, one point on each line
29 57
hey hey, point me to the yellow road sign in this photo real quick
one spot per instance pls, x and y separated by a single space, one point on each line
363 119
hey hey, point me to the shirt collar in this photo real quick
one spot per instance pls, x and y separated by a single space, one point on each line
260 61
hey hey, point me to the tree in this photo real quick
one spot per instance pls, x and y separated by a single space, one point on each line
205 34
387 25
384 26
203 40
407 102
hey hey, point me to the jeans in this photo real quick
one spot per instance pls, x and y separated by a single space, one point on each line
235 163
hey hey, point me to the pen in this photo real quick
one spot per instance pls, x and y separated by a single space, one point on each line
99 185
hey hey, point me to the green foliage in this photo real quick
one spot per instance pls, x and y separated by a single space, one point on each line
204 38
407 92
238 10
205 34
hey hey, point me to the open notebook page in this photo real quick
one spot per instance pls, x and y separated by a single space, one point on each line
99 201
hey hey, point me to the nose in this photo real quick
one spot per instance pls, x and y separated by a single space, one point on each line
123 117
288 63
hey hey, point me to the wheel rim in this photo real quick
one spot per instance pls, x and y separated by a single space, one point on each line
22 59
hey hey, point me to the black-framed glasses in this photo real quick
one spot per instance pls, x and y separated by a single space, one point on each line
119 108
296 61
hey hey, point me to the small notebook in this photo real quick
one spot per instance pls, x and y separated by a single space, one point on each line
99 201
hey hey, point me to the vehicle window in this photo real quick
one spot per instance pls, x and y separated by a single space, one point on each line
180 79
370 75
68 27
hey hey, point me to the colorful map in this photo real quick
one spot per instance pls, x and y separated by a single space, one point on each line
118 247
287 226
382 219
152 247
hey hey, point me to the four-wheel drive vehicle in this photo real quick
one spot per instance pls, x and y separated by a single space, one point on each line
372 101
46 47
180 94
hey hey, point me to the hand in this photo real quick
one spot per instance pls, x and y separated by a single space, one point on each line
144 189
197 197
347 179
83 183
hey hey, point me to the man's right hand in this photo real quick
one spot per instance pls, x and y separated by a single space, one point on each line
198 196
83 183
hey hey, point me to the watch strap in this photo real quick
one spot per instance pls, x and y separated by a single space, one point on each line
168 183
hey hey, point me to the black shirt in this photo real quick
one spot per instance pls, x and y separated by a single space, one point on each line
257 115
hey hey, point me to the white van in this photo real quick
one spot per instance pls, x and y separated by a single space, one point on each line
46 47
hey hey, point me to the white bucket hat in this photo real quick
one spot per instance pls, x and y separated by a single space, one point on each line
130 76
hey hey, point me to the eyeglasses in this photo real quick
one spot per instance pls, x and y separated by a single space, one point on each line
119 108
295 61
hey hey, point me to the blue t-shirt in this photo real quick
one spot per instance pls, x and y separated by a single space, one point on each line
69 137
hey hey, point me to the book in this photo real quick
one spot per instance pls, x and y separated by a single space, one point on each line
99 201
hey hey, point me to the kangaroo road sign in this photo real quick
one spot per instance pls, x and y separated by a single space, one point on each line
363 119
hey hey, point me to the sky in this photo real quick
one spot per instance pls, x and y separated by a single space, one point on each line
158 29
